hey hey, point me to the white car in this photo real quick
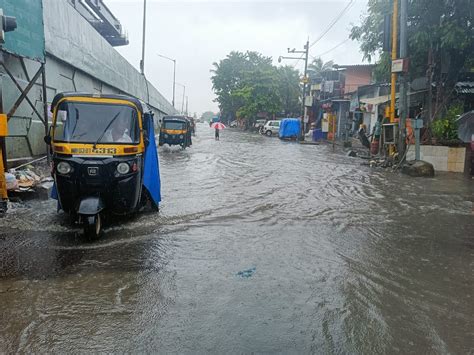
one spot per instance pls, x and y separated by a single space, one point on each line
271 128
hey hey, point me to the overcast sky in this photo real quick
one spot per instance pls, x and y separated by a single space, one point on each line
198 33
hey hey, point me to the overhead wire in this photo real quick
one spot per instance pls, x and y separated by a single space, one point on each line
330 50
331 25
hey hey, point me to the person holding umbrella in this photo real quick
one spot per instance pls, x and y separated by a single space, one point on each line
217 126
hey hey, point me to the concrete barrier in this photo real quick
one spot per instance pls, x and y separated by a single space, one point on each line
452 159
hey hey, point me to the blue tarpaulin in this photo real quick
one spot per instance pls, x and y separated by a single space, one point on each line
151 172
290 128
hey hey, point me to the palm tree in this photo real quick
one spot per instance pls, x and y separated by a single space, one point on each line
318 67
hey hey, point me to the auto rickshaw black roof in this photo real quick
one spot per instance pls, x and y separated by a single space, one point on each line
139 103
176 118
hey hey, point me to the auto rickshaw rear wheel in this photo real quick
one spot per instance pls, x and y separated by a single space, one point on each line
93 226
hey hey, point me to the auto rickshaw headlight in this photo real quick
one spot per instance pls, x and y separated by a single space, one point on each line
63 168
123 168
181 136
166 136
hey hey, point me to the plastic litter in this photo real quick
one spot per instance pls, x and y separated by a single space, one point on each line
12 183
247 273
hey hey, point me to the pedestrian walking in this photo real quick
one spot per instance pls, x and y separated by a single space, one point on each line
217 127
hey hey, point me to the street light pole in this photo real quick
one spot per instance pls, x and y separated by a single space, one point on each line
184 94
142 62
174 80
174 74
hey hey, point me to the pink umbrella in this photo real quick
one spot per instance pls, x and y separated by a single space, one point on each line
218 125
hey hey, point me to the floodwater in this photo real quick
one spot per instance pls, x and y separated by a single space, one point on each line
260 246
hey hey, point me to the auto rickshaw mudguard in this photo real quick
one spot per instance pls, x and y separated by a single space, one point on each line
90 206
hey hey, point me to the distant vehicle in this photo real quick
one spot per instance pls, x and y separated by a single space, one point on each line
271 127
290 129
233 124
176 130
259 124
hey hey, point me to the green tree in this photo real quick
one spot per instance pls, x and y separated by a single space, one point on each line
444 28
317 67
289 90
247 84
232 74
259 94
207 116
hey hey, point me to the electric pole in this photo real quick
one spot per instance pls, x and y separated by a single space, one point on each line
403 78
394 56
305 80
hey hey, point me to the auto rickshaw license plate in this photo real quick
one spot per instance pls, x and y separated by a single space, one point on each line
105 151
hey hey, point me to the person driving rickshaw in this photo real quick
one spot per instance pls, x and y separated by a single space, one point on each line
104 157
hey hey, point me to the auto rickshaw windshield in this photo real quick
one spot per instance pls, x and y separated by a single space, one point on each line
79 122
173 125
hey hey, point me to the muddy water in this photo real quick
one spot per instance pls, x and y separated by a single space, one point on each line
260 246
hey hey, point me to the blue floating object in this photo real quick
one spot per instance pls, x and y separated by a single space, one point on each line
247 273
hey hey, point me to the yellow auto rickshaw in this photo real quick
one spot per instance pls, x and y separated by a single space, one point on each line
104 154
175 130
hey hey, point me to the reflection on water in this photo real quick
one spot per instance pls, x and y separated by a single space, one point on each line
344 259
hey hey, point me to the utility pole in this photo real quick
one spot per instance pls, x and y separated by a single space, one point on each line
305 79
403 78
142 62
186 105
429 74
394 56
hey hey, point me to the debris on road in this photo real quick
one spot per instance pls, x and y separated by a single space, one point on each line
418 168
247 273
29 180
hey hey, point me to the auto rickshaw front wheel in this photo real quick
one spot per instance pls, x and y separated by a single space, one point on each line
93 226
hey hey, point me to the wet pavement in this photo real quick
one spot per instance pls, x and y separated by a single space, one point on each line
260 246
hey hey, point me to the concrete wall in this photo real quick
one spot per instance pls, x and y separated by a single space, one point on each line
70 38
357 76
77 59
443 158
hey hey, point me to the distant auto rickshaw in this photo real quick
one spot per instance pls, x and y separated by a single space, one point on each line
104 157
175 130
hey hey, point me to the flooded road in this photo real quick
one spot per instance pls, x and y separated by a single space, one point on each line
260 246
